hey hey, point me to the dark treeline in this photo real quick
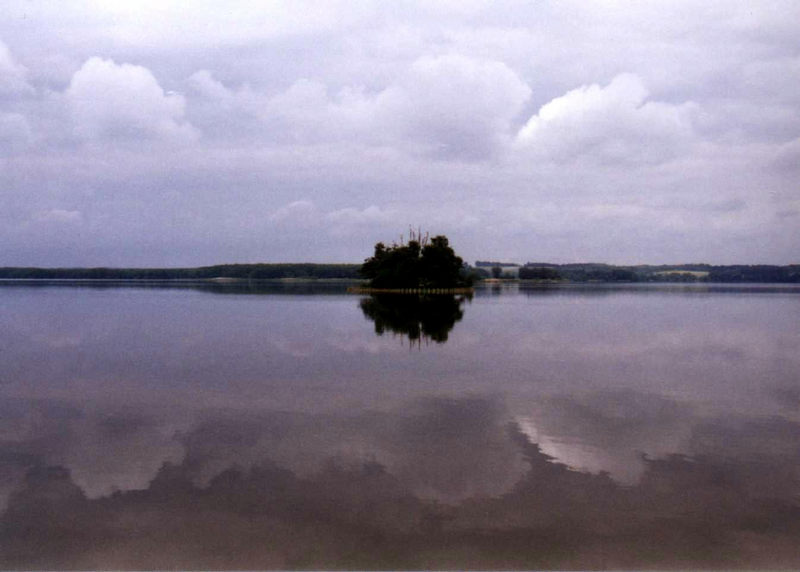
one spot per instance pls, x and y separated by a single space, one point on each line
583 272
761 273
490 263
237 271
594 272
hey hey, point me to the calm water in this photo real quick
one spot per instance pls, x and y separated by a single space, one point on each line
574 427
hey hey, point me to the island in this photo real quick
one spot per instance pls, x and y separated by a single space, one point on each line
422 265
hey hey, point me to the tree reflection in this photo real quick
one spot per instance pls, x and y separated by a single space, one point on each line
428 317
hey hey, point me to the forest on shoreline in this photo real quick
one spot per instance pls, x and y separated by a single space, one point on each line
533 271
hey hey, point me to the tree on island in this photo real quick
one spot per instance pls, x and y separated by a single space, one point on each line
422 263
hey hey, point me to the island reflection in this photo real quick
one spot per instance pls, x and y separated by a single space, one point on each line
419 318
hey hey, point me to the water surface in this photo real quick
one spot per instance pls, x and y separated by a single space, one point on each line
569 427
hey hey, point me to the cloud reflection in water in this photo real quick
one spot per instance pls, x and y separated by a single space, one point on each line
440 483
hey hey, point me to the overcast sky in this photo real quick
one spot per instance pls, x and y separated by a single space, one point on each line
160 133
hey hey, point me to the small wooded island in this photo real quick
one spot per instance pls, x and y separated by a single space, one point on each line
423 264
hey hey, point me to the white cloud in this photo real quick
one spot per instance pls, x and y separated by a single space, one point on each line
614 123
204 83
447 106
302 112
297 212
351 216
307 213
456 106
124 102
13 76
224 112
308 113
59 216
211 89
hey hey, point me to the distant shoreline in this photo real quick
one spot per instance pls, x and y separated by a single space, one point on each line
318 272
221 281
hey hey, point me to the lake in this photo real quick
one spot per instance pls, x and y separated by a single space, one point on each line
299 426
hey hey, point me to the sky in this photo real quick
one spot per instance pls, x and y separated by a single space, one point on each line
164 133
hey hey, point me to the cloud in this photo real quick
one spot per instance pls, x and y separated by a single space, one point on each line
337 223
59 216
455 106
224 112
241 22
124 102
297 212
304 113
353 216
13 76
205 84
432 114
614 123
14 130
773 80
787 157
447 106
